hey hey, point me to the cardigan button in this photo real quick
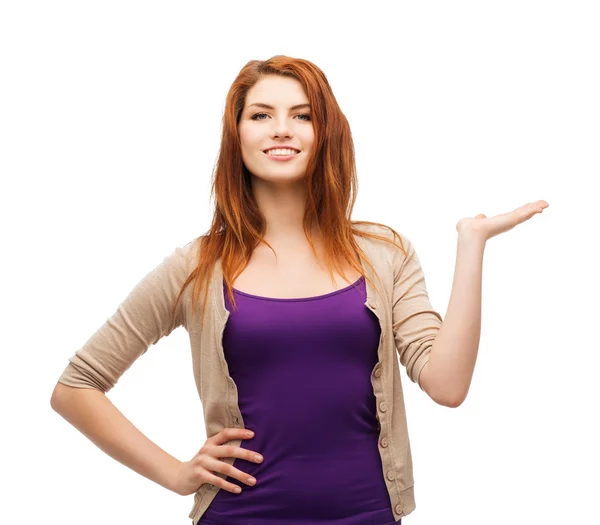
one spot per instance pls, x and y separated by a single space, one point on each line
399 511
378 372
382 406
390 475
384 442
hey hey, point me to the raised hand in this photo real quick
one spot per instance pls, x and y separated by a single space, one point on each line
485 228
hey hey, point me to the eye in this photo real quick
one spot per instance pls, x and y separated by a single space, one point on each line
299 115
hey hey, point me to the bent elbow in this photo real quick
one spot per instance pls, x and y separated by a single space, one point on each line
454 402
61 394
438 389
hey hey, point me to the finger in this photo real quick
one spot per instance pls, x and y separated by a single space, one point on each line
536 206
227 434
230 471
217 481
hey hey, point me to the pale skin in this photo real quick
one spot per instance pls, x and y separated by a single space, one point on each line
280 192
278 187
447 376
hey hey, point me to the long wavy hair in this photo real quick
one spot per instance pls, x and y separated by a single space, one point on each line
238 226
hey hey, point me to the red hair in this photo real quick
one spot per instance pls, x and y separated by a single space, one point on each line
238 225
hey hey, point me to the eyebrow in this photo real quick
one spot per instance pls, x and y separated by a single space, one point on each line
266 106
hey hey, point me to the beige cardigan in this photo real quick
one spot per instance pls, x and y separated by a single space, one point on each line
408 324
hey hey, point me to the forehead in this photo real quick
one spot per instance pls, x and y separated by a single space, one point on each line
275 91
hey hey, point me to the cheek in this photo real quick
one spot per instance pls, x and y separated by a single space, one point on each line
308 138
250 141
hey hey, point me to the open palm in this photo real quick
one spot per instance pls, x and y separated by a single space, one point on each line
488 227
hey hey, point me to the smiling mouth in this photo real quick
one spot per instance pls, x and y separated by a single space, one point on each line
281 158
280 155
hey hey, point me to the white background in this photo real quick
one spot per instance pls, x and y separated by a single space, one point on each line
110 116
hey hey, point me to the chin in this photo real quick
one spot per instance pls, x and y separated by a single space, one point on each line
271 176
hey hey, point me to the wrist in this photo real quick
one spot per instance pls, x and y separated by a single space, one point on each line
172 474
471 237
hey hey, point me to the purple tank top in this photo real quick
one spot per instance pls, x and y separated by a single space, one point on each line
303 372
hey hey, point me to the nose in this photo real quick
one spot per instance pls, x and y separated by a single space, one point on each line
281 129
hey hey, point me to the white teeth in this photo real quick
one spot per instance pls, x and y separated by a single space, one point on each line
282 152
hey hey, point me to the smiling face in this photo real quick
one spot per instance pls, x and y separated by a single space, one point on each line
286 122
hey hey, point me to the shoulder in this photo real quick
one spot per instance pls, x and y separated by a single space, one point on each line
394 242
183 258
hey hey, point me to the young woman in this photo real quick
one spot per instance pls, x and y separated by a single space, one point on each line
296 315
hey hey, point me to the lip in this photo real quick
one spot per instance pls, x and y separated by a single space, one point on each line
282 158
281 146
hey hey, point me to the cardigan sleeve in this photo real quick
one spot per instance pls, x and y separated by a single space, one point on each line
140 320
415 323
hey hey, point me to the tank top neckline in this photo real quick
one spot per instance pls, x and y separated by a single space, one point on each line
292 299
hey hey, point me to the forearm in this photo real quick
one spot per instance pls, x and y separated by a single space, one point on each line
95 416
454 351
